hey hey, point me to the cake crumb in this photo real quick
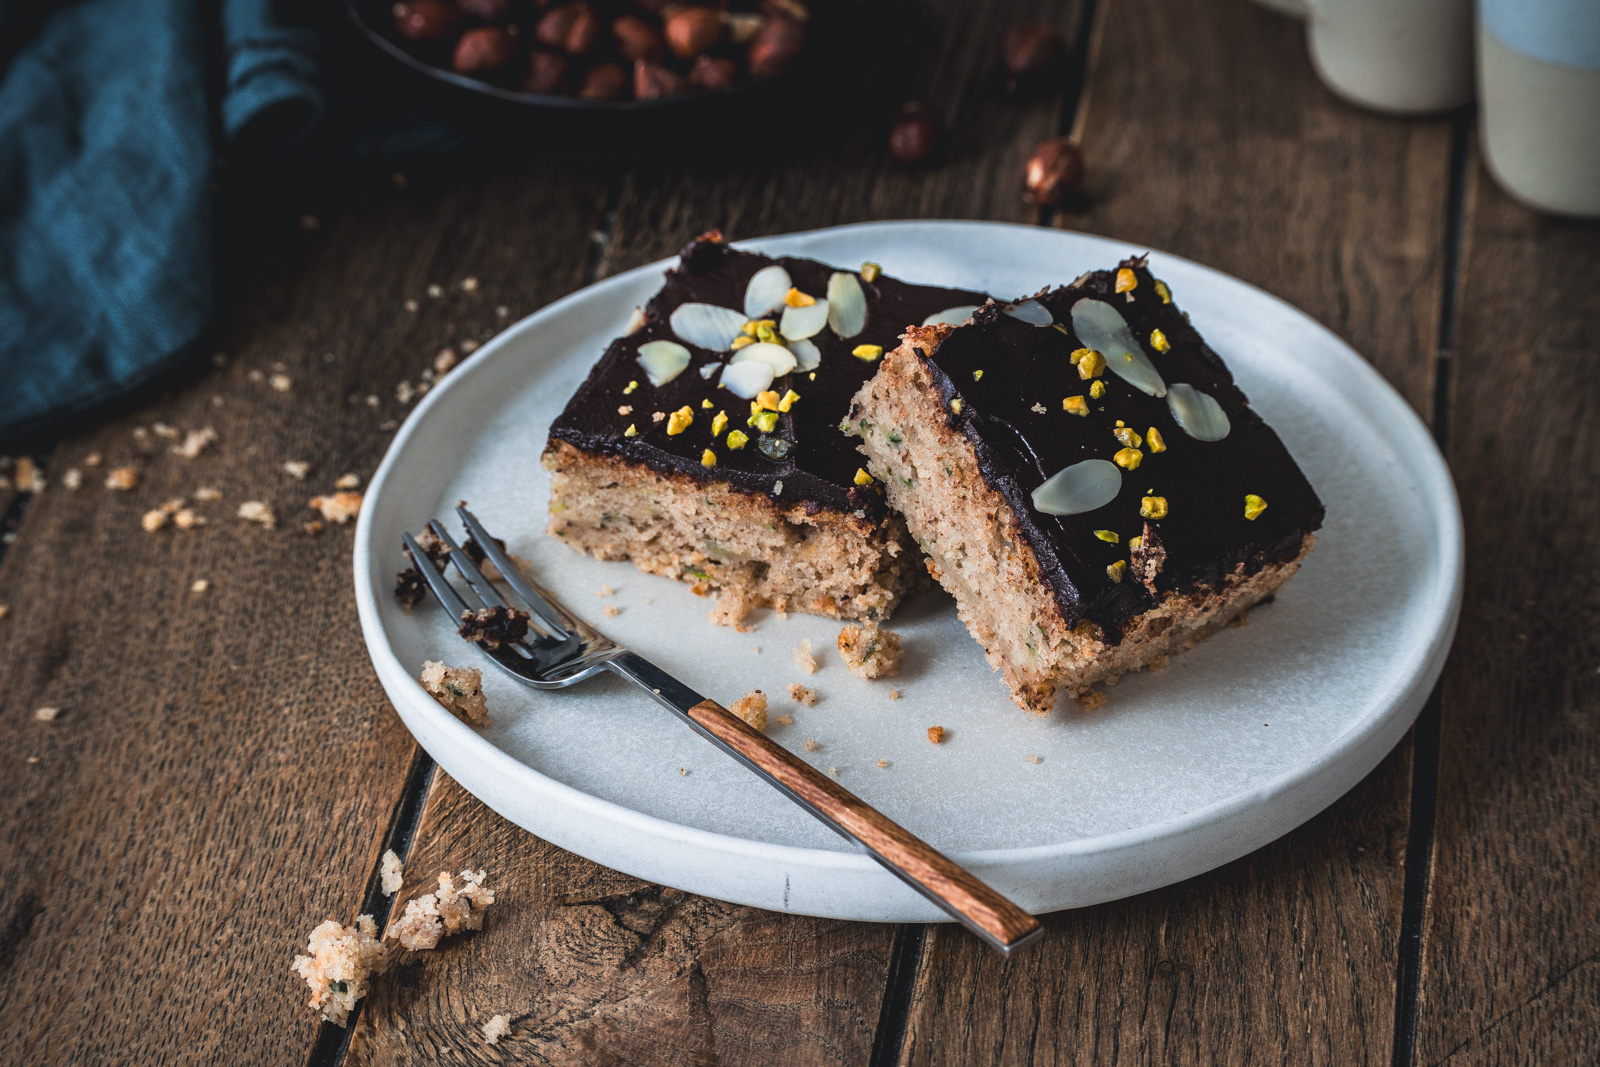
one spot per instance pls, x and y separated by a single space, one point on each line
348 481
313 528
752 708
810 744
684 771
195 442
1090 699
882 762
870 651
281 382
493 626
936 734
459 690
445 361
756 649
1157 663
5 609
207 492
610 611
296 469
498 1026
187 519
803 657
341 960
802 695
122 479
392 873
784 720
1031 758
258 511
154 519
834 771
732 608
29 477
72 478
605 591
341 507
93 459
199 585
434 916
46 714
894 694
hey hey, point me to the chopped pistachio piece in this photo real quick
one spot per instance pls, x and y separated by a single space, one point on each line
789 397
1108 536
1092 365
766 400
708 458
1157 442
1117 570
1076 405
1253 506
719 424
741 341
767 331
1135 543
955 405
1128 458
1163 292
631 387
737 439
1159 342
1127 281
706 403
679 420
867 352
1128 436
1153 507
862 477
1097 390
765 421
977 375
796 299
870 272
631 431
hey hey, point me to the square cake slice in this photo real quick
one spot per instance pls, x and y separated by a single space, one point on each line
704 446
1086 479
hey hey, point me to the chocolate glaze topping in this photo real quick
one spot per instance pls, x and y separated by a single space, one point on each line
820 469
1204 535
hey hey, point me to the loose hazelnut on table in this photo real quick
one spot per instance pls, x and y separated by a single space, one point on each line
915 135
425 20
1054 170
775 47
484 49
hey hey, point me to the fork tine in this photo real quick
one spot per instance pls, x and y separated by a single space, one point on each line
484 588
529 592
441 587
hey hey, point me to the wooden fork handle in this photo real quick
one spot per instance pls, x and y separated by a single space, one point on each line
987 913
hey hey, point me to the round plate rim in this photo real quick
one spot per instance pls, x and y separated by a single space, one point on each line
1399 705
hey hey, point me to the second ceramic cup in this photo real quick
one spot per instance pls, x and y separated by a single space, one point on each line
1402 56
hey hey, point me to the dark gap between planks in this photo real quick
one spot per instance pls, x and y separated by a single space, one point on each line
1426 733
333 1042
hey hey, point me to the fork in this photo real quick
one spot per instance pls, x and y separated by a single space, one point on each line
562 650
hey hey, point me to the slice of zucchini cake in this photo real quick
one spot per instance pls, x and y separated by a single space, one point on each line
1086 479
704 444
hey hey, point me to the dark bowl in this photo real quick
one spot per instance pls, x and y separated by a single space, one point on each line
833 34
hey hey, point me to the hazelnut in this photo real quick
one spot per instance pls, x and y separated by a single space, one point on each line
651 81
713 74
484 49
793 10
1031 52
693 31
637 38
915 135
487 10
425 20
570 27
546 72
608 81
775 47
1054 170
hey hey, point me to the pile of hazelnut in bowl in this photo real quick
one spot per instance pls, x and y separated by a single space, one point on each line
594 52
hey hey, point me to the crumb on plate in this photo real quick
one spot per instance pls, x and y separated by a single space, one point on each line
459 690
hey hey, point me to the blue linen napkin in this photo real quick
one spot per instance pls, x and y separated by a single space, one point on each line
112 120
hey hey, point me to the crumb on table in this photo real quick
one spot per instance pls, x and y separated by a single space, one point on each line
1031 758
810 744
341 507
195 442
341 960
446 911
605 590
936 734
392 873
894 694
802 695
870 651
882 762
732 608
497 1027
804 658
610 611
259 512
752 708
296 469
348 481
1090 699
784 720
46 714
122 478
459 690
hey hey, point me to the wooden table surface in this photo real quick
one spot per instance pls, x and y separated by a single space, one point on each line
225 772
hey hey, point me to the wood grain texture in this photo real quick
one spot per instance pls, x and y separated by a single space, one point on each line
990 914
225 764
597 968
1206 134
1512 948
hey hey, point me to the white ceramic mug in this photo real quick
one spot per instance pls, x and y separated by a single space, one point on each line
1403 56
1539 78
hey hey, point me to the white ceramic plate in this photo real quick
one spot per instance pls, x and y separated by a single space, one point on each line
1234 744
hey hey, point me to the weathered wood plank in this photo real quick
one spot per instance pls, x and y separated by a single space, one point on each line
1512 948
225 765
1206 134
